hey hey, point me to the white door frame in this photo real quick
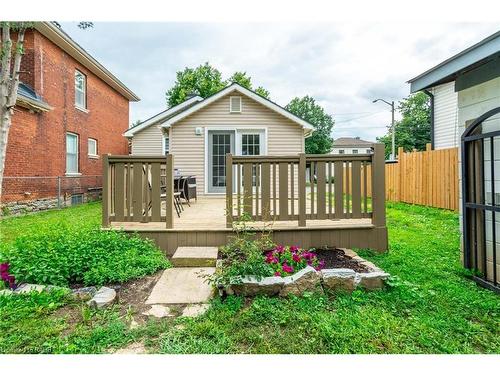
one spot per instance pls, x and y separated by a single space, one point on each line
238 131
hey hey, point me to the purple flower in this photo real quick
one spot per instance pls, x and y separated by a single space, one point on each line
4 267
294 249
277 273
296 258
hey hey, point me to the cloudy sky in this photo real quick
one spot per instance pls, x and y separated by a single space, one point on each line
343 65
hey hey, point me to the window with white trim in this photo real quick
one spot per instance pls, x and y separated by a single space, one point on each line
341 151
354 151
92 147
71 153
80 90
235 104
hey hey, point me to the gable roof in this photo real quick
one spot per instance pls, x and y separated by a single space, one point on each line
57 36
347 141
308 128
447 71
163 116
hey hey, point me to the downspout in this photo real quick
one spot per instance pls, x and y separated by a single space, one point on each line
431 96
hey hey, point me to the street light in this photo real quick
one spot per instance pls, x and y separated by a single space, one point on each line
391 104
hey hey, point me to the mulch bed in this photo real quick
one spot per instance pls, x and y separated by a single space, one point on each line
336 258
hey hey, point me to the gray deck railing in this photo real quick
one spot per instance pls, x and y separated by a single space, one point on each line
138 189
306 187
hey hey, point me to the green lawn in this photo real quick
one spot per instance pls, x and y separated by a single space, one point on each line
430 308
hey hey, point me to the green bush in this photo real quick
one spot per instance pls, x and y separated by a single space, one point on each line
63 256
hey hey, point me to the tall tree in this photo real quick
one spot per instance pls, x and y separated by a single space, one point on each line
306 108
413 131
206 80
11 53
203 80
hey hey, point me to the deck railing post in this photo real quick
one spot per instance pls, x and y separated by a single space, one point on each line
229 190
378 185
169 192
302 190
106 186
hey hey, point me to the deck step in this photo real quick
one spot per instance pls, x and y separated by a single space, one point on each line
195 256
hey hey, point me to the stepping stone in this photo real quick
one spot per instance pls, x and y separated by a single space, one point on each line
182 286
195 256
158 311
192 311
134 348
104 297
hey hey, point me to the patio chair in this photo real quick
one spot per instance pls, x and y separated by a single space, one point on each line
163 195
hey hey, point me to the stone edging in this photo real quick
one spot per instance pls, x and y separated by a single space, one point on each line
308 279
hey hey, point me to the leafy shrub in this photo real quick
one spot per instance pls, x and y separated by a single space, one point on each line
63 256
290 259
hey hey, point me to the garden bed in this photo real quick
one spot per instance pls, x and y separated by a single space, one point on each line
340 270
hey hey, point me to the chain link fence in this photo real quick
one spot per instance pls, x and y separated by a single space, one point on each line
37 193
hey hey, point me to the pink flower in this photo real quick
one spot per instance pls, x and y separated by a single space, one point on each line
294 249
4 267
277 273
287 268
296 258
279 249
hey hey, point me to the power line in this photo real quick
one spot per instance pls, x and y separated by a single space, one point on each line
360 117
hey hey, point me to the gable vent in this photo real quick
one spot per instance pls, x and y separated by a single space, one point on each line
235 104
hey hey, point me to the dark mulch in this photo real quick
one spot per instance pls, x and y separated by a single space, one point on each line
336 258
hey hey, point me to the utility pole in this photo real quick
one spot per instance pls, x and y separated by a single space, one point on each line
393 127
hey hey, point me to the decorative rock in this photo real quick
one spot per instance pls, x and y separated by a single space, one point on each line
158 311
5 292
252 286
103 298
27 288
85 293
306 280
193 311
339 279
372 280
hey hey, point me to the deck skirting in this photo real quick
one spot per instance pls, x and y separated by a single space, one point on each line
348 236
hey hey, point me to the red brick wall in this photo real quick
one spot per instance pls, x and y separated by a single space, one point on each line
37 141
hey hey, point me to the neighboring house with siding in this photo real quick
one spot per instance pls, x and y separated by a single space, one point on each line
471 80
70 110
347 145
199 132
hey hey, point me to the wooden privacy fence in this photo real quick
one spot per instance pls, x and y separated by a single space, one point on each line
138 189
429 178
275 187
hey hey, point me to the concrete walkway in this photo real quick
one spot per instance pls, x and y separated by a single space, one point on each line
186 284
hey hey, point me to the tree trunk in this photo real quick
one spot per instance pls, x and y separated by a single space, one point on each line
9 84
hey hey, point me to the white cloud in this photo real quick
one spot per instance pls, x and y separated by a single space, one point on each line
343 65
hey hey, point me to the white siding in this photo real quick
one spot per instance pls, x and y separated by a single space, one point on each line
445 116
472 103
284 137
148 141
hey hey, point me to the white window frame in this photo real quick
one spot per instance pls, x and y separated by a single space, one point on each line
83 91
96 155
231 101
342 151
77 172
355 151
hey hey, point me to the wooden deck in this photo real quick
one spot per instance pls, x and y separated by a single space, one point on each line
204 224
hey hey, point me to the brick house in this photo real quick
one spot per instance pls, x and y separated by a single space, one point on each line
70 110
